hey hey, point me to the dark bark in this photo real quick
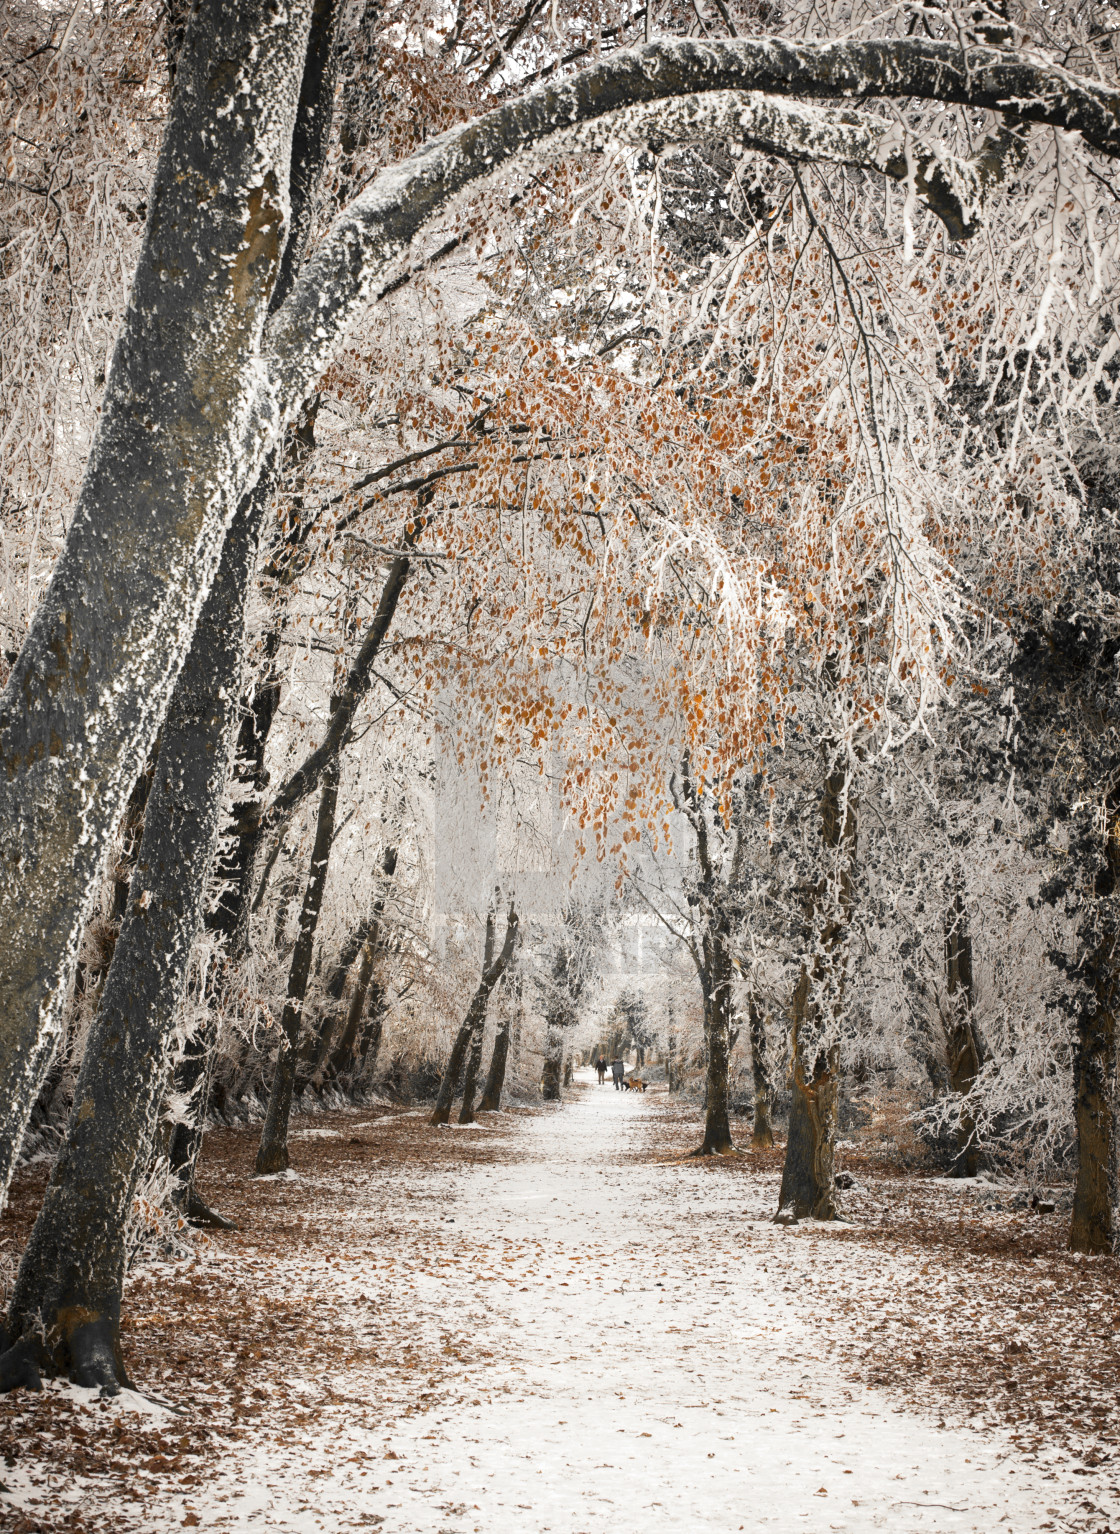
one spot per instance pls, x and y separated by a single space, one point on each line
762 1134
359 678
552 1069
1065 697
71 1276
183 428
339 1057
808 1188
470 1078
493 968
229 917
711 954
370 1045
960 1033
496 1076
716 985
132 829
272 1153
1095 1224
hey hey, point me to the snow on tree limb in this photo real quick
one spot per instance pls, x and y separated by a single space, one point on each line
379 226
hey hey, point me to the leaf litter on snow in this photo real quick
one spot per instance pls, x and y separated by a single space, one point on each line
308 1358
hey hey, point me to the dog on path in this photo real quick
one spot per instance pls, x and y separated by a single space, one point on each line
635 1084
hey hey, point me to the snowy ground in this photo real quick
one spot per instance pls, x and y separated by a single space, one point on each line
604 1340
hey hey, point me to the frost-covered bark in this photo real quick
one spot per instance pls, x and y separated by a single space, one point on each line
762 1132
960 1034
379 226
470 1079
1067 720
185 421
808 1189
64 1313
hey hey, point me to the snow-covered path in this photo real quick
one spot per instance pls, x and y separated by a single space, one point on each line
651 1376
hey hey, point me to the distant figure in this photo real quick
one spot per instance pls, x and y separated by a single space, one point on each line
618 1073
601 1067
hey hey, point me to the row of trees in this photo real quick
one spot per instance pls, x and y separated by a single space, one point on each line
733 469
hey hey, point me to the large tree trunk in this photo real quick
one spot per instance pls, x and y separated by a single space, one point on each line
229 918
184 425
762 1134
960 1034
493 968
808 1188
272 1153
65 1307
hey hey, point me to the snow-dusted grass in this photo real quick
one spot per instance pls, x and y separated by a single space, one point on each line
553 1327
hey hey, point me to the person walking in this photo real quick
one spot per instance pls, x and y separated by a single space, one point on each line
601 1067
618 1073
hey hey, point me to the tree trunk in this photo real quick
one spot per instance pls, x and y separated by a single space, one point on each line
345 1052
65 1306
272 1153
184 427
960 1035
470 1078
717 1039
342 1057
551 1071
762 1135
369 1046
229 918
1095 1225
808 1189
496 1077
475 1020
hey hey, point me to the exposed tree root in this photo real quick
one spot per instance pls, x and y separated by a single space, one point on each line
199 1213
